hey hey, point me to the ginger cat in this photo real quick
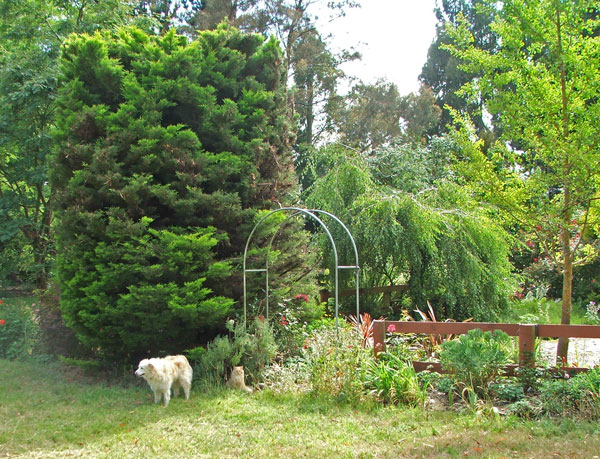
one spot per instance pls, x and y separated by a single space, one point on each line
236 379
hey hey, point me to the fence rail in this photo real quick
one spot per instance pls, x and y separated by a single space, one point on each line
387 291
527 333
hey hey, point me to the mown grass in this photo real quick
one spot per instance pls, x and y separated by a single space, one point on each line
47 410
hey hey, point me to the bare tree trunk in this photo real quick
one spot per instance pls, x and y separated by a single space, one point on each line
562 349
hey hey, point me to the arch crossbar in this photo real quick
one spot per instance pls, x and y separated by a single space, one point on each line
312 213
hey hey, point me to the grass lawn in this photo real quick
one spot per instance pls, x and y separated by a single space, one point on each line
48 410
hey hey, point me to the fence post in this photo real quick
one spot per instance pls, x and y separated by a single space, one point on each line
387 300
527 334
378 336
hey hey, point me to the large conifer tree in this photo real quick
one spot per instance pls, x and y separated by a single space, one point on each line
166 150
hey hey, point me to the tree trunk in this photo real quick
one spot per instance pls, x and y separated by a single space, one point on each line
562 349
232 16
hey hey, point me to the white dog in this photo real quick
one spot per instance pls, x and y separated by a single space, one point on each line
162 374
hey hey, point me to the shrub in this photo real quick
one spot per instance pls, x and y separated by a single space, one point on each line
165 151
475 359
18 329
336 360
254 349
331 362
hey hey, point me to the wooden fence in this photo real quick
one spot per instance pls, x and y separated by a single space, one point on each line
527 334
385 290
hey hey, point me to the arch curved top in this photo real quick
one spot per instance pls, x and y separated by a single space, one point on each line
312 213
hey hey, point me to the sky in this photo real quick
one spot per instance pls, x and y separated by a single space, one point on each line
393 37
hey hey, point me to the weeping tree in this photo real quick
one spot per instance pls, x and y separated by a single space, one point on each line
166 149
413 225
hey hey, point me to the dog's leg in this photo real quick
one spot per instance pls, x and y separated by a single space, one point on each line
175 389
167 394
156 396
166 397
186 388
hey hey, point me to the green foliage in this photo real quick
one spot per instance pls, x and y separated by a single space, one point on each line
579 395
442 72
475 359
336 361
534 310
507 391
375 115
331 362
541 87
392 379
372 116
425 232
253 349
31 33
165 150
18 329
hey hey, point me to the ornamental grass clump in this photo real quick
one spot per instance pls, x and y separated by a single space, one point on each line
576 396
393 379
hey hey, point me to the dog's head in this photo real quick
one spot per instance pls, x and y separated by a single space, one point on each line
145 367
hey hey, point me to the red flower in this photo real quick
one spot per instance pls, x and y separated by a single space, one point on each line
535 260
1 302
538 228
302 296
283 321
2 321
530 244
391 328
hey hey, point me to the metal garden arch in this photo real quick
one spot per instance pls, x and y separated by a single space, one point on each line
312 214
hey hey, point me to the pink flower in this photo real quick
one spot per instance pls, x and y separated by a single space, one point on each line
391 328
535 260
302 296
